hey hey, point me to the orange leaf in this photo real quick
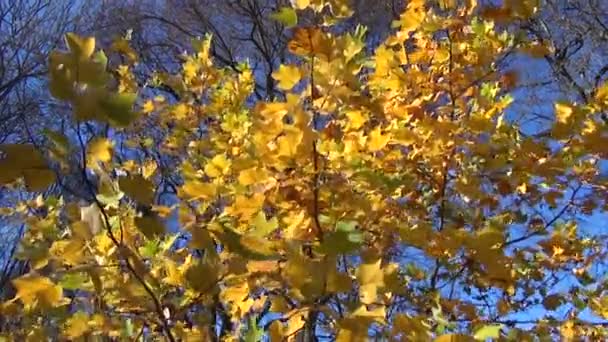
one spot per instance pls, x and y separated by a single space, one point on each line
310 41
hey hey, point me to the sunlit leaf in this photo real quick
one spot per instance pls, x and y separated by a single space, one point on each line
77 325
35 289
487 331
99 150
82 47
287 76
308 41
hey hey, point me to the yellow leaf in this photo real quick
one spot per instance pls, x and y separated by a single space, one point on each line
263 266
272 111
181 111
356 119
377 140
275 331
245 206
68 251
536 50
454 338
238 297
287 76
341 8
194 190
99 150
262 226
148 107
300 4
217 166
296 321
414 327
80 230
290 141
81 47
297 225
190 68
377 314
522 188
413 16
563 112
22 160
309 41
34 289
304 275
148 168
447 4
252 176
121 45
370 277
37 333
279 304
174 274
77 325
567 330
355 326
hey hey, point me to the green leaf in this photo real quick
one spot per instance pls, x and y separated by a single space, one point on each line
168 242
488 331
74 281
343 240
150 248
286 16
128 329
118 108
101 58
253 333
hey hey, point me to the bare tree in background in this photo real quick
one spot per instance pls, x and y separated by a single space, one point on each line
576 33
242 30
29 30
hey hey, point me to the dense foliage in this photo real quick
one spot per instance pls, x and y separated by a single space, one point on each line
385 192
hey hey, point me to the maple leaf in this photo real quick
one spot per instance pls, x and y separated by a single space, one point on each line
287 76
310 41
377 140
399 173
33 289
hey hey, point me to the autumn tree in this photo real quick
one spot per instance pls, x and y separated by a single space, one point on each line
377 192
29 31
